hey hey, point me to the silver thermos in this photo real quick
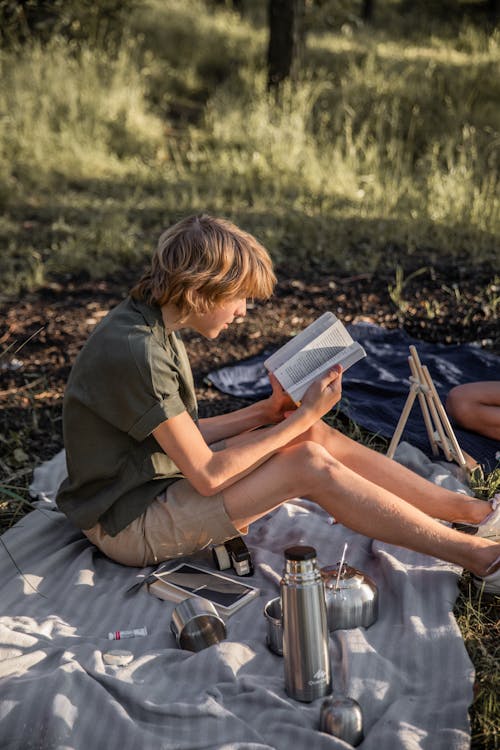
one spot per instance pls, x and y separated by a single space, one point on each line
305 629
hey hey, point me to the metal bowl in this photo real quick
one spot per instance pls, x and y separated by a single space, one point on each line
351 598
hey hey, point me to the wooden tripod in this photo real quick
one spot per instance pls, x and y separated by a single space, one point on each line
436 420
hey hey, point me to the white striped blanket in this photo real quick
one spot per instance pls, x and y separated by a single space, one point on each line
60 597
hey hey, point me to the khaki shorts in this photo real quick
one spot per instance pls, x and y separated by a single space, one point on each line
178 522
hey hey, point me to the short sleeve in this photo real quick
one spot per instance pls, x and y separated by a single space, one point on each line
160 386
135 387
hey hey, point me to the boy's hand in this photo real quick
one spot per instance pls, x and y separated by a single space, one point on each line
279 402
324 393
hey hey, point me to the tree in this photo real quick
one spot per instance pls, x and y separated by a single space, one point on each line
286 40
367 12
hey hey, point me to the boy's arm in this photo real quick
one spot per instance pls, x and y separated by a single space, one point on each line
266 412
210 472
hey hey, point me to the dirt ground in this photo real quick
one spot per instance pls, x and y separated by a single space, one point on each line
41 333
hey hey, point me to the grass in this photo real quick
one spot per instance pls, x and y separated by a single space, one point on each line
389 137
382 158
478 620
478 617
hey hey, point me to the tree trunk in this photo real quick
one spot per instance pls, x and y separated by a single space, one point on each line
367 12
493 10
286 39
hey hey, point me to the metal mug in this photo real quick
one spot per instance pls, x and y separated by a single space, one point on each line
274 636
341 717
196 624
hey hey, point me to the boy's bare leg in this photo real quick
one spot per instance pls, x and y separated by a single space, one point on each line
437 502
476 406
308 470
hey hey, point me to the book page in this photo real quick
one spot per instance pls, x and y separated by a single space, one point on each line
347 357
326 348
301 339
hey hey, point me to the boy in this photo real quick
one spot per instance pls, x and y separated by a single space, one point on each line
148 480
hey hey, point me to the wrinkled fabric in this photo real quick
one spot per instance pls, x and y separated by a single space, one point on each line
409 671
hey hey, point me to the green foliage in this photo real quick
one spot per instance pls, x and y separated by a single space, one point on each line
23 21
73 114
110 244
390 138
485 486
189 50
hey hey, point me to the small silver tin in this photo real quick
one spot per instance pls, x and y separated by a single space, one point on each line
196 624
274 635
341 717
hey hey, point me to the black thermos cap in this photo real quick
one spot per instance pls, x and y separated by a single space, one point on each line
300 552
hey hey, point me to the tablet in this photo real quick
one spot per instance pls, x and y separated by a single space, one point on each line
187 580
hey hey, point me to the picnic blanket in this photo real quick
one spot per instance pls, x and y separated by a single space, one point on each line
60 597
376 388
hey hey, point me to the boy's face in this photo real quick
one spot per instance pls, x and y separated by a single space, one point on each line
211 323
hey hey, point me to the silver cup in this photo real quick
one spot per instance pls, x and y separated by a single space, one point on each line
274 636
341 717
196 624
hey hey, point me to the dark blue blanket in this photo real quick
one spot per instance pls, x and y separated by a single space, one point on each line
375 389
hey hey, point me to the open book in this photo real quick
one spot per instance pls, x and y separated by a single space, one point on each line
311 353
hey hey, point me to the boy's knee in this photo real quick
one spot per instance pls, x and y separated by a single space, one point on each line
310 468
314 456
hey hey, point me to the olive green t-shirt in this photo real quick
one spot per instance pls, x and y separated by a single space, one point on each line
131 375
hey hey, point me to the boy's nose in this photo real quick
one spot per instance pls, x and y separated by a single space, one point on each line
242 308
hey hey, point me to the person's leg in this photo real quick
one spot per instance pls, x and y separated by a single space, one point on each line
476 406
308 470
437 502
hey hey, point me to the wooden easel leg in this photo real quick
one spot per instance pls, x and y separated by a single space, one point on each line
434 414
432 407
402 421
425 409
446 422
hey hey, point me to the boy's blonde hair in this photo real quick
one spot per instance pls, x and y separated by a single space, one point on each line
201 262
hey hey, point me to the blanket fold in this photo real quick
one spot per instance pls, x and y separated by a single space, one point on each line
409 671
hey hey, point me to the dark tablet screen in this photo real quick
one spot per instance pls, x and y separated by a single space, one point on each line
216 589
